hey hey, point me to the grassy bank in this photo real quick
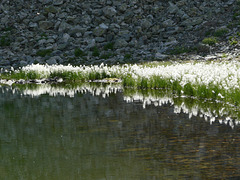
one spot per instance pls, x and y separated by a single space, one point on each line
204 80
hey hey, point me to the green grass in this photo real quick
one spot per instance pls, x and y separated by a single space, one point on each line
235 15
95 51
224 55
21 75
234 42
10 28
68 76
220 32
44 52
106 56
79 53
238 2
44 36
5 40
189 90
108 46
127 56
210 41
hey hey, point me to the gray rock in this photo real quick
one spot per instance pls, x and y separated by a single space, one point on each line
62 46
23 63
66 37
171 42
168 23
5 62
33 25
172 8
120 43
78 34
87 34
146 24
100 39
38 17
230 2
50 41
100 30
51 9
77 29
22 15
42 42
97 12
128 15
54 60
45 1
64 27
29 59
192 21
109 11
123 7
103 26
45 25
51 61
181 3
160 56
171 30
86 19
57 2
125 34
91 43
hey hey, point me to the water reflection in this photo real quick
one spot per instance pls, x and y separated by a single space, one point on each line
91 137
211 111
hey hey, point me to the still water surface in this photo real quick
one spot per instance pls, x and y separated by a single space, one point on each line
94 138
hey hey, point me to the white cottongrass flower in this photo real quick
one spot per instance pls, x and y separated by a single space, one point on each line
225 75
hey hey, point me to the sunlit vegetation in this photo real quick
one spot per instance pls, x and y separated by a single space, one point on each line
210 41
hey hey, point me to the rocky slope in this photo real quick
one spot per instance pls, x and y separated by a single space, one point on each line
115 31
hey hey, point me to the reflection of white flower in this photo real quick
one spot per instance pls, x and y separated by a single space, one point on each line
106 90
195 110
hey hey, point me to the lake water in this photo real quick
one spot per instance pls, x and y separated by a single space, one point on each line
104 134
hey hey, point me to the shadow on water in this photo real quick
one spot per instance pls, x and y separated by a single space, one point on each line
106 132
